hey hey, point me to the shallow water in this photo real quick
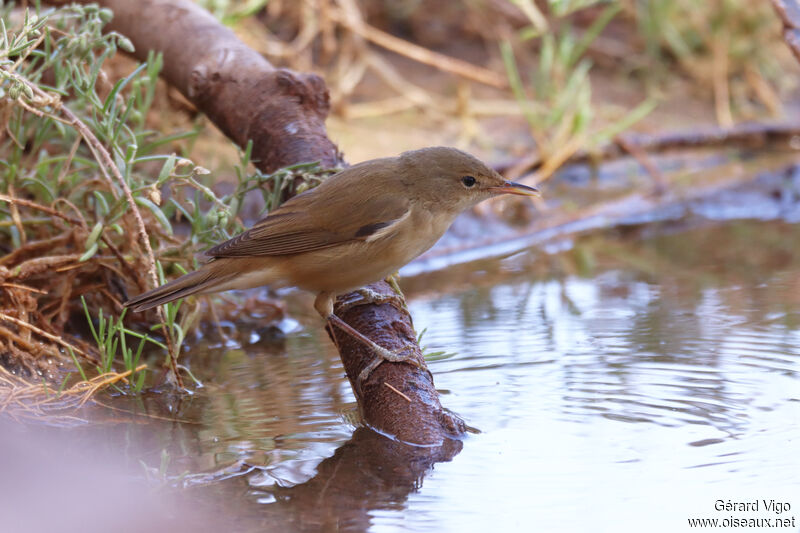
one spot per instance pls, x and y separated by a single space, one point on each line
632 399
622 385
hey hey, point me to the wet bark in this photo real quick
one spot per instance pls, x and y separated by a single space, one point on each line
397 396
283 113
245 96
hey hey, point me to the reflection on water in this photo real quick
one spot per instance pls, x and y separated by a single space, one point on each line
665 381
637 393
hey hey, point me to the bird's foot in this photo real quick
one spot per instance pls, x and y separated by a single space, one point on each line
382 353
365 295
391 279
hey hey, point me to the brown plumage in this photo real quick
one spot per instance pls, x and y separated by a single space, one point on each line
356 228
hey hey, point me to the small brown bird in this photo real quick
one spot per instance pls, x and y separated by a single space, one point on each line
356 228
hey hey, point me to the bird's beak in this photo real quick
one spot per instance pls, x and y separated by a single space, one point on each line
510 187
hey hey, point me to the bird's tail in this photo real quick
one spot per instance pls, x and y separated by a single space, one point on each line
202 280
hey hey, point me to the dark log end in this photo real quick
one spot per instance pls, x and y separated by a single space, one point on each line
398 399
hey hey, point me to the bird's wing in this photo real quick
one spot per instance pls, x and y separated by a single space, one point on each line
315 220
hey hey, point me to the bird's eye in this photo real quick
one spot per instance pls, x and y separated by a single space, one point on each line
468 181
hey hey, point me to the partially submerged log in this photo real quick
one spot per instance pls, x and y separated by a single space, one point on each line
283 113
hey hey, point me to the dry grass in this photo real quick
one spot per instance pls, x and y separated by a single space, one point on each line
21 399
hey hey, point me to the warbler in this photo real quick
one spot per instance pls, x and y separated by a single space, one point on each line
357 227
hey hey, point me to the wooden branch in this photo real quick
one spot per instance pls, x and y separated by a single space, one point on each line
283 113
423 55
789 12
753 135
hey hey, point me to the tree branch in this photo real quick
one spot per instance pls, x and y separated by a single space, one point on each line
789 12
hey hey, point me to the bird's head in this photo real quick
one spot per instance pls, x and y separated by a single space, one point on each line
454 179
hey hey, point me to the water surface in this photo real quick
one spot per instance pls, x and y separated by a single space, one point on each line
621 385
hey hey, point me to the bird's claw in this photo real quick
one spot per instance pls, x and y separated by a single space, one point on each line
364 296
392 281
384 355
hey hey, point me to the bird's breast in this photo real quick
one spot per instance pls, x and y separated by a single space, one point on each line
354 264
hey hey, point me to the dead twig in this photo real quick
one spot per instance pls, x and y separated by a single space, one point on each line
22 287
45 334
24 343
641 156
12 200
789 12
752 135
721 84
418 53
23 237
104 380
19 398
397 391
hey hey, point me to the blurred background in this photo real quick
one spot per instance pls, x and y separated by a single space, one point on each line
627 346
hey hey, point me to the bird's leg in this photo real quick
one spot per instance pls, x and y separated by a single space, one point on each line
382 353
392 281
324 305
363 296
